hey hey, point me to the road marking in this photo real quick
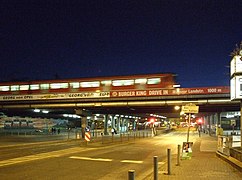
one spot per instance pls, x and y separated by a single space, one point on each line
103 159
91 159
42 156
132 161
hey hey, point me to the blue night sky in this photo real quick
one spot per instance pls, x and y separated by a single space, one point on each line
89 38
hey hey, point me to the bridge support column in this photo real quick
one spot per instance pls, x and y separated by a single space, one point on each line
112 121
106 124
83 115
118 124
84 125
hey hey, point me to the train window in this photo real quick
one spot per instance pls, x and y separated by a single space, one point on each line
123 82
34 86
74 84
24 87
14 88
153 81
44 86
58 85
4 88
140 81
106 82
90 84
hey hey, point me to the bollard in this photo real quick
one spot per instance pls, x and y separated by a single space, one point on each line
102 137
128 137
121 137
143 134
131 174
112 137
155 168
169 161
178 154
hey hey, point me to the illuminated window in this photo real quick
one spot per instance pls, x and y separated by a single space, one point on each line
24 87
14 88
106 82
123 82
74 84
153 81
58 85
34 87
140 81
90 84
4 88
44 86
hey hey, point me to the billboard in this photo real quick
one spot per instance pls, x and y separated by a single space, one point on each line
236 87
236 65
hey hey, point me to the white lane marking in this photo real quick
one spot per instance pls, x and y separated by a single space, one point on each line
91 159
132 161
106 160
41 156
161 163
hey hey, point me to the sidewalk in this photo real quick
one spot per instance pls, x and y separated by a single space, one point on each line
204 164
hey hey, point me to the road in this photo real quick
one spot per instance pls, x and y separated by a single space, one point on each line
73 160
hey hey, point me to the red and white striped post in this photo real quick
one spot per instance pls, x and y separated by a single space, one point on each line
87 136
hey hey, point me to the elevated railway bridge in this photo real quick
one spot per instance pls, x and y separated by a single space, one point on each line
212 102
122 98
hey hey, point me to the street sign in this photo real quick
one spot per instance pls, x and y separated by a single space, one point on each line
190 108
233 122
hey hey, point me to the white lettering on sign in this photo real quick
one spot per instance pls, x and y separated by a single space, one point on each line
55 96
155 92
141 93
89 95
126 93
195 91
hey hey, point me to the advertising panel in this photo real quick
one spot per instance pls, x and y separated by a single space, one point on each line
235 65
236 87
120 93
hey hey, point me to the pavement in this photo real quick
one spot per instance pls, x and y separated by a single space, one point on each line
206 163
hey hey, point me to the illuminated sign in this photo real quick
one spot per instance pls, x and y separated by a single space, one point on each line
235 73
55 96
119 94
236 65
172 92
190 108
236 87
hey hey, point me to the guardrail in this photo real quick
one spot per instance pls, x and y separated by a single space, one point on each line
226 143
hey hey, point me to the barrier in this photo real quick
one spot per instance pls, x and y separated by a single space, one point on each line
225 143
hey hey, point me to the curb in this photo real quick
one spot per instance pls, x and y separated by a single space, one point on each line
234 162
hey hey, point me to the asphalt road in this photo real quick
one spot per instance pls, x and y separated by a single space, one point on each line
73 160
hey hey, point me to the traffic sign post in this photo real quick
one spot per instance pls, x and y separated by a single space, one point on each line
189 109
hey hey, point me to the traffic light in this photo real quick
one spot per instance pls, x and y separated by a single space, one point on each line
152 120
199 121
